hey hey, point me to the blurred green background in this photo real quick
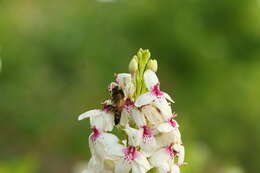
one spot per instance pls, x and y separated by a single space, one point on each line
59 56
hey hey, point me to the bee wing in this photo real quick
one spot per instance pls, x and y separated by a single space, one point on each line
90 113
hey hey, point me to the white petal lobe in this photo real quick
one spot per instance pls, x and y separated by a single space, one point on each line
150 79
144 99
89 114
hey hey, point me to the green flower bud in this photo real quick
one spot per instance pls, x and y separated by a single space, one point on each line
133 66
152 65
146 55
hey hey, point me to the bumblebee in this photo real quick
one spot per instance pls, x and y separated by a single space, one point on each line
117 97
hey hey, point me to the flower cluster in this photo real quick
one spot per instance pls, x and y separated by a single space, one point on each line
135 130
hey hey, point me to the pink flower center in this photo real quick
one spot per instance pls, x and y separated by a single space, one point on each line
170 151
172 122
128 104
95 134
147 134
106 108
130 153
156 90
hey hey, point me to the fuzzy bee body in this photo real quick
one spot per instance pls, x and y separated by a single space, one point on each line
117 95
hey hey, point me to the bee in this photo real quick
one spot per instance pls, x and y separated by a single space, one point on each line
117 97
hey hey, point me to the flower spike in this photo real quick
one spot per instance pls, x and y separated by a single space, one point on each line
135 130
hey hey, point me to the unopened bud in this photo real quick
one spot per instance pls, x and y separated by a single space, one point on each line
133 66
146 55
152 65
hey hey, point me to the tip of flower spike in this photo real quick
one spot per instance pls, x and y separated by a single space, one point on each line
143 55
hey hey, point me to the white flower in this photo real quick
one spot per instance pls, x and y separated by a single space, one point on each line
180 153
127 109
169 133
131 112
104 145
164 107
132 160
142 137
100 118
163 159
149 135
124 80
154 115
153 85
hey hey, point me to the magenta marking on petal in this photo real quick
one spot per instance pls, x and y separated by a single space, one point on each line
95 134
147 134
172 122
128 104
156 91
130 153
170 151
106 108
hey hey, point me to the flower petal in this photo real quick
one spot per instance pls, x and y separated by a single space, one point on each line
103 121
150 79
164 107
138 117
94 166
144 99
165 127
89 114
134 136
123 78
168 97
147 149
175 168
152 114
161 160
122 166
181 152
106 147
173 136
142 162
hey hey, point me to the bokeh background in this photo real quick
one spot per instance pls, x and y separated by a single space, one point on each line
59 56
